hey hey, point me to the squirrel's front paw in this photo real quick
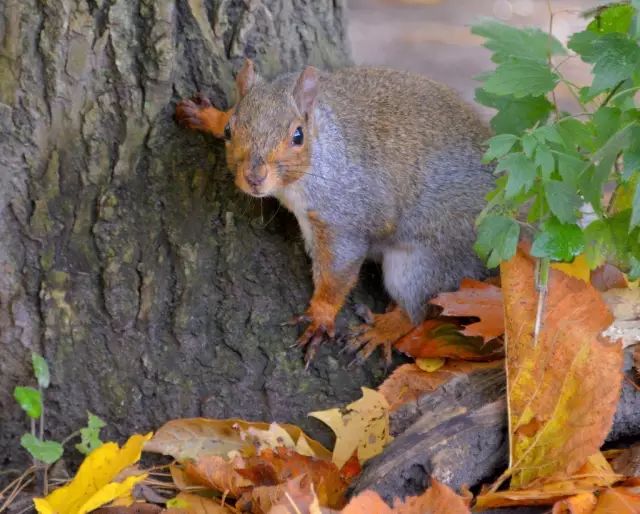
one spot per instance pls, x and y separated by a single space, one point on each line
321 328
188 111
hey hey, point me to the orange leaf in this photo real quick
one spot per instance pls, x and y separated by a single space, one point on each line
219 474
562 390
438 499
442 338
277 466
408 382
620 500
475 299
583 503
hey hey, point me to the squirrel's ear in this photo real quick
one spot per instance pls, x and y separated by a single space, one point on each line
246 78
306 88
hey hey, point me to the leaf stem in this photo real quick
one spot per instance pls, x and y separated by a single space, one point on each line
542 281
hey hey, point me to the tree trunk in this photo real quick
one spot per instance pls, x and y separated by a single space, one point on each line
153 288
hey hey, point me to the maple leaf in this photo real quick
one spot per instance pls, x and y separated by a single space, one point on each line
562 391
192 438
408 382
362 425
441 338
217 473
475 299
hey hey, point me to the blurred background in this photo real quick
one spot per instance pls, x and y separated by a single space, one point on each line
433 37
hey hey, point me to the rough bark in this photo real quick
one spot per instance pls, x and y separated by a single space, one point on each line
127 257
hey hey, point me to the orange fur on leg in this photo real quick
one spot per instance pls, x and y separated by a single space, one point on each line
199 114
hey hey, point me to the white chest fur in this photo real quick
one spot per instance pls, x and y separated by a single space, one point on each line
294 200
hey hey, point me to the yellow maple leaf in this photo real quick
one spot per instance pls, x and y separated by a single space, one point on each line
579 268
93 485
362 425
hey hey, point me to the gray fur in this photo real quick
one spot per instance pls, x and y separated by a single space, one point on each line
392 149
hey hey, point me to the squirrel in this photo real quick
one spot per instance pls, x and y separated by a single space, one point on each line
374 164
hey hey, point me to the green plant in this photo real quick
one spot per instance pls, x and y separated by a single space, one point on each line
31 400
572 180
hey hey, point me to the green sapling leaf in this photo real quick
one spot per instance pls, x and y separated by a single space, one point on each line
30 400
90 435
44 451
562 200
498 146
521 78
40 370
497 239
558 241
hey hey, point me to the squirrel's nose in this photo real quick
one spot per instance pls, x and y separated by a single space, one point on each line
255 177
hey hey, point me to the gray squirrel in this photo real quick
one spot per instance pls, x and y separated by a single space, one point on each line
374 163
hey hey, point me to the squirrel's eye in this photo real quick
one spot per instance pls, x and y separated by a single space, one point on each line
297 137
227 132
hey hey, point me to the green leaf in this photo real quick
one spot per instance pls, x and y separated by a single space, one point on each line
529 144
90 435
548 133
44 451
571 169
521 173
615 18
563 200
520 78
30 400
545 161
498 146
631 160
558 242
635 208
615 57
497 239
506 41
576 134
598 243
515 115
40 370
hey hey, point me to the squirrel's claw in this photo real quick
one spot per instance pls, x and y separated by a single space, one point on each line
188 111
316 333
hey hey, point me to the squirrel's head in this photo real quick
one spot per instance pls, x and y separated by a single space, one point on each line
269 135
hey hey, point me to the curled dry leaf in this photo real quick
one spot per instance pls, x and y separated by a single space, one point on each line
217 473
408 382
562 390
293 496
192 438
475 299
435 338
362 425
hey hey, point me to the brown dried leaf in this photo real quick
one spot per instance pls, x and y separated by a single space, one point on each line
408 382
475 299
580 504
217 473
563 390
438 499
200 437
196 504
442 338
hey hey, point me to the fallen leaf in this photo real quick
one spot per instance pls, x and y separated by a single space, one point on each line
619 500
408 382
475 299
593 475
292 497
430 365
196 504
583 503
272 467
192 438
436 338
217 473
562 391
579 268
627 461
607 277
181 480
93 485
362 425
438 499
